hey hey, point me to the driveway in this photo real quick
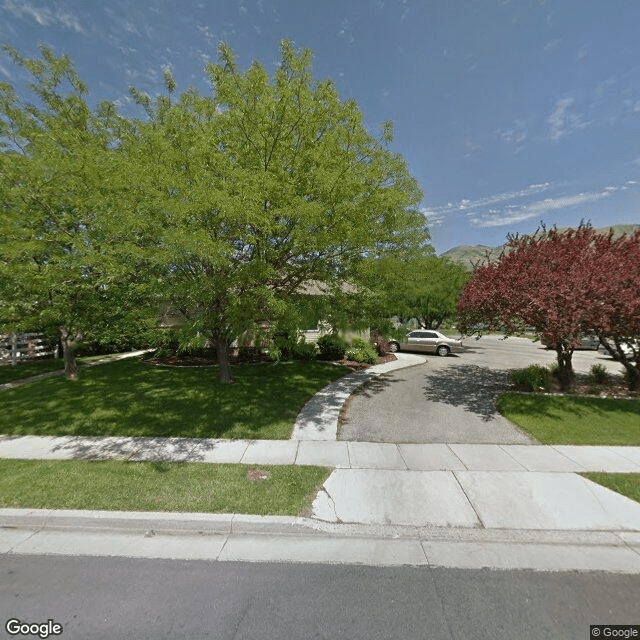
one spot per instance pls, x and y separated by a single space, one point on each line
450 399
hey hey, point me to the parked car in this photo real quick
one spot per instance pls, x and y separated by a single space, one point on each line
587 341
428 341
627 349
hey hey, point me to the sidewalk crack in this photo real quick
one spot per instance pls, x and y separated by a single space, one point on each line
466 495
457 456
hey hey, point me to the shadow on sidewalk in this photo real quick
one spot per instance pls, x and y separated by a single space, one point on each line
136 449
469 386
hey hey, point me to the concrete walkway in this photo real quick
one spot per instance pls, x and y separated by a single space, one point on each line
463 505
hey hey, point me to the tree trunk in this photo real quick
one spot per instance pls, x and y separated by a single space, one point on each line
565 369
633 378
222 350
68 353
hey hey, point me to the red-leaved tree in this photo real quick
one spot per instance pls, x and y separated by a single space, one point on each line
562 284
615 299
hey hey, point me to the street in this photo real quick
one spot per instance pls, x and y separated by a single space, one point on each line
115 598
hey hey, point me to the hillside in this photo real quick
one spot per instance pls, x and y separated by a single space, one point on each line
467 255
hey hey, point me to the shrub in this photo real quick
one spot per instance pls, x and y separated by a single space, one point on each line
249 354
284 344
304 351
332 347
533 378
361 351
598 374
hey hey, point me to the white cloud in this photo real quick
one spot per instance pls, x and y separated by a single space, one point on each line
515 136
564 119
583 52
44 16
538 209
471 207
552 44
511 207
433 219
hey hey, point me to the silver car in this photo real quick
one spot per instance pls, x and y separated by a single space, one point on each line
428 341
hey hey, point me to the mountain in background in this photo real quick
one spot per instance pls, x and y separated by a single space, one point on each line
468 255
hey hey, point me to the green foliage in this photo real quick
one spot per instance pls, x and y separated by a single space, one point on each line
418 285
288 344
598 374
534 378
361 351
331 347
60 267
305 351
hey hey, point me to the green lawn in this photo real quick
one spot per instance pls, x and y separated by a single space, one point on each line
628 484
157 486
133 398
573 420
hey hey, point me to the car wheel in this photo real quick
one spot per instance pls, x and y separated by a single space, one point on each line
442 350
394 347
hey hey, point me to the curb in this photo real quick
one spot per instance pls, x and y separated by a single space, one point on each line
242 538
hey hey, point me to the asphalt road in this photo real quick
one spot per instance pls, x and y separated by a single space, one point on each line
112 598
451 399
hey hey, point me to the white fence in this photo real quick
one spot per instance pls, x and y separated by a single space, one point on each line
18 347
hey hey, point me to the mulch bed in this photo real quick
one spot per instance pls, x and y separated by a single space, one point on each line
183 361
359 366
196 361
582 387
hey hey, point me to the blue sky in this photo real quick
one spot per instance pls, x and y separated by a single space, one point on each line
508 112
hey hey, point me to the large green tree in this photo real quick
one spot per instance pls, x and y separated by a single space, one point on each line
58 271
265 185
420 286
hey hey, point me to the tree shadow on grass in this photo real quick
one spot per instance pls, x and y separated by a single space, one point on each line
471 387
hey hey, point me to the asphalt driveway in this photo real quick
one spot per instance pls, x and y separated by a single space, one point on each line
450 399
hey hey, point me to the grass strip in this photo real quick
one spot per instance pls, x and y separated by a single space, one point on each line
158 486
133 398
628 484
569 420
